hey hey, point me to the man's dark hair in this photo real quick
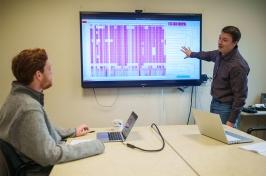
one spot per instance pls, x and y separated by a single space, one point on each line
233 31
27 62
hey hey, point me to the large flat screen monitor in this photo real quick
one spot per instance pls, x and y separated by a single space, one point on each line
121 49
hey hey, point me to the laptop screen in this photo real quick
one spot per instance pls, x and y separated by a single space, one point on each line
129 124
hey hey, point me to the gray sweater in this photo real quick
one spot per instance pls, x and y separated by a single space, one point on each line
25 125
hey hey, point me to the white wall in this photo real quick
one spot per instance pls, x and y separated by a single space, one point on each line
54 25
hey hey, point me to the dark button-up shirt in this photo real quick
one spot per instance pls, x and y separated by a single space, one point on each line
230 74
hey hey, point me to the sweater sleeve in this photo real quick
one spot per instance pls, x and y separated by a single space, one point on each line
31 137
65 133
209 56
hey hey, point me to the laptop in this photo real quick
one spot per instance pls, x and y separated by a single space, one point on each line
118 136
210 125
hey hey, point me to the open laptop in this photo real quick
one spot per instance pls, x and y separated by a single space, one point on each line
118 136
210 125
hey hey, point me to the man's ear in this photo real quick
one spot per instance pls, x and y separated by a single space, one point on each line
38 75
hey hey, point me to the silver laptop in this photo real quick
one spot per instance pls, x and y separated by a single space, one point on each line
119 135
210 125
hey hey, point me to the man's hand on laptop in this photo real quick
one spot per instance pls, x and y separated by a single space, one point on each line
82 130
230 124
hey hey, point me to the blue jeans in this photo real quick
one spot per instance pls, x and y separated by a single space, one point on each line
223 109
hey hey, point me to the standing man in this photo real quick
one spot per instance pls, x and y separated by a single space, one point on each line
229 86
24 124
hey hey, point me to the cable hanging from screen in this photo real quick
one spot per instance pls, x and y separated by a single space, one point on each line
106 106
163 110
195 100
190 107
156 129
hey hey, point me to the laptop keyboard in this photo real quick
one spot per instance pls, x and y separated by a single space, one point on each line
114 136
233 137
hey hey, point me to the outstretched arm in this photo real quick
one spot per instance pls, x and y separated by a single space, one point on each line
187 51
203 55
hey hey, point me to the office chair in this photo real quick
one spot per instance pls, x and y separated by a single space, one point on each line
250 130
16 167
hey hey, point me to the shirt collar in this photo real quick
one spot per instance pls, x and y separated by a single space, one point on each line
20 88
229 55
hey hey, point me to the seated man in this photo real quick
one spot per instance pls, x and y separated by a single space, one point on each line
24 124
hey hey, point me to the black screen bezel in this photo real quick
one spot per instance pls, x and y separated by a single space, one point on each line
139 83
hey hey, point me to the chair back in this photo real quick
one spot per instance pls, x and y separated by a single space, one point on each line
14 163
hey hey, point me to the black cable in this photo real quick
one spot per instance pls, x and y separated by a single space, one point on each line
106 106
191 99
150 150
195 100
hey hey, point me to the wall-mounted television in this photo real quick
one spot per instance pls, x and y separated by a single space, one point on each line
123 49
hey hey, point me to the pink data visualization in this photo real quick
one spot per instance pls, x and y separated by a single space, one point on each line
127 50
